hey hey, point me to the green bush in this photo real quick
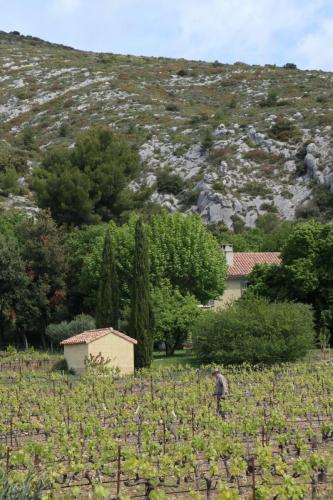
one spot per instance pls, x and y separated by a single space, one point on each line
63 130
13 158
323 197
326 119
268 222
290 66
269 207
270 101
183 72
172 107
28 138
168 182
219 187
189 197
255 331
207 141
60 366
284 130
57 332
8 181
320 206
254 188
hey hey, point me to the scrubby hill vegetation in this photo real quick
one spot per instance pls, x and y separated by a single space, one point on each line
231 142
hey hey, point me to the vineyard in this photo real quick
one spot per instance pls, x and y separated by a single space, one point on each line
157 435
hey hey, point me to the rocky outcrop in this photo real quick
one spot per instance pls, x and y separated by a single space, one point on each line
21 203
254 162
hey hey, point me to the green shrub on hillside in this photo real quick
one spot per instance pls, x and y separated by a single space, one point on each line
326 119
254 188
28 138
284 130
290 66
12 158
207 141
255 331
8 181
63 130
169 183
172 106
320 206
183 72
270 101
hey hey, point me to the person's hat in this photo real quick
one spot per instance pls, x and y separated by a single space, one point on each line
215 371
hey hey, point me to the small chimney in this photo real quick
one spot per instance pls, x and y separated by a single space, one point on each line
229 254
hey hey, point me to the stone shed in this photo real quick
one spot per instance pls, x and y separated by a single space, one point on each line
114 346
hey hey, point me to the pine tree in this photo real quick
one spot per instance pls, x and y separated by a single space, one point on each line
140 320
107 312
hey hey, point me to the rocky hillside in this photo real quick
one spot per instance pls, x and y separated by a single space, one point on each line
230 142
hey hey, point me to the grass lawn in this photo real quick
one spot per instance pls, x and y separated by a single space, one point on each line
185 357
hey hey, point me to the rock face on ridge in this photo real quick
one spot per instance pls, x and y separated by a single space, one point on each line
244 140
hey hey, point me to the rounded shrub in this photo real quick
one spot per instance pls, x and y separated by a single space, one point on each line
284 130
169 183
57 332
256 331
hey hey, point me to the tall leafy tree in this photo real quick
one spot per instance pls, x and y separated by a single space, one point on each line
13 288
79 243
185 253
140 326
174 316
45 263
107 312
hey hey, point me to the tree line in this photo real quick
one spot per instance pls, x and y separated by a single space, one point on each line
94 257
50 274
305 275
286 310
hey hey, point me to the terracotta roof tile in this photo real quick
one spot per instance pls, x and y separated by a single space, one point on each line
244 262
92 335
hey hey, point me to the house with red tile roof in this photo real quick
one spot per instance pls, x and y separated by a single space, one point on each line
116 348
240 265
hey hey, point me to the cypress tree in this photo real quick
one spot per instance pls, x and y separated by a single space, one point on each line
140 320
107 311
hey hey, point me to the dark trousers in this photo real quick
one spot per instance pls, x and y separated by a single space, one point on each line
219 405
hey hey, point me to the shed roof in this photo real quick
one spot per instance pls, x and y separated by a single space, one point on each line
244 262
92 335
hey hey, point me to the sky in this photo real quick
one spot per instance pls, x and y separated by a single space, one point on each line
251 31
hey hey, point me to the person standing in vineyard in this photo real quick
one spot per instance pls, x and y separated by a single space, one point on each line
221 390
